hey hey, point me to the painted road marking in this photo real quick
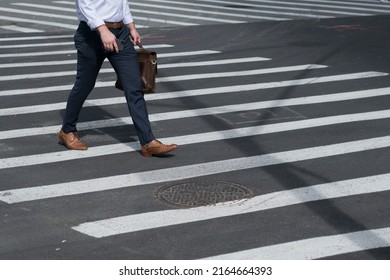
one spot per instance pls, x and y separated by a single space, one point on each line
315 248
113 122
160 66
157 219
189 171
352 95
173 78
206 91
191 139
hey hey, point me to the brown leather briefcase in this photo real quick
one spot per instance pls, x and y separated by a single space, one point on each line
148 68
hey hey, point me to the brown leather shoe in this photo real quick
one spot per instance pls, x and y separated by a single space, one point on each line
155 147
71 140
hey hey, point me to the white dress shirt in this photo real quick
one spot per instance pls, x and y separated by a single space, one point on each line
96 12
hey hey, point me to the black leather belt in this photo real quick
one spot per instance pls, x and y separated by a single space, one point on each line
114 25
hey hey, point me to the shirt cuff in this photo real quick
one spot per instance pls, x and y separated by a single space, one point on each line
128 19
93 24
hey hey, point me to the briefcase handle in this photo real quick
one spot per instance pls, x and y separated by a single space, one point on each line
139 45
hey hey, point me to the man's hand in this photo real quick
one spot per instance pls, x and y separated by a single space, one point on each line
108 39
135 37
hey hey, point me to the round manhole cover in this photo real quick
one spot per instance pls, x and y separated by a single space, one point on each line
202 193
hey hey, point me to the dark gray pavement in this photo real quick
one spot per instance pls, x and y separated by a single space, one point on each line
322 127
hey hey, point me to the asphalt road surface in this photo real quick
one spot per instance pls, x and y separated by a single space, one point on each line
284 146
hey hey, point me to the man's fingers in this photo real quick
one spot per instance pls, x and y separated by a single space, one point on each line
135 40
112 46
116 48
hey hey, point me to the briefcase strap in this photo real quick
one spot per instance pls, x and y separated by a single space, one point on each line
139 45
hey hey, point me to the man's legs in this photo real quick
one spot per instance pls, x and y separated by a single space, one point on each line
90 57
126 66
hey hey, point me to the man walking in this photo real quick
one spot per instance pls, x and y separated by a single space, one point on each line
107 30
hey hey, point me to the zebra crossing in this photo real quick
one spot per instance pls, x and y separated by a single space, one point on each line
24 17
233 107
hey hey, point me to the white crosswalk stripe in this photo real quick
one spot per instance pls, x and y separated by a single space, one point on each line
191 139
69 52
325 246
132 223
242 88
173 78
185 172
16 28
165 66
193 90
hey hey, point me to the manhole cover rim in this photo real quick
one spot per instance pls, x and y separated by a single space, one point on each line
211 196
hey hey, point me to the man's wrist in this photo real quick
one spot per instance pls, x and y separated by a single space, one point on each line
131 26
102 28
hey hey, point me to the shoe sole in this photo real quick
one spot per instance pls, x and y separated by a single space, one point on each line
146 154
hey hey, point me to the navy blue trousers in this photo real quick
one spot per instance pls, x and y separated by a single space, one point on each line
90 57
